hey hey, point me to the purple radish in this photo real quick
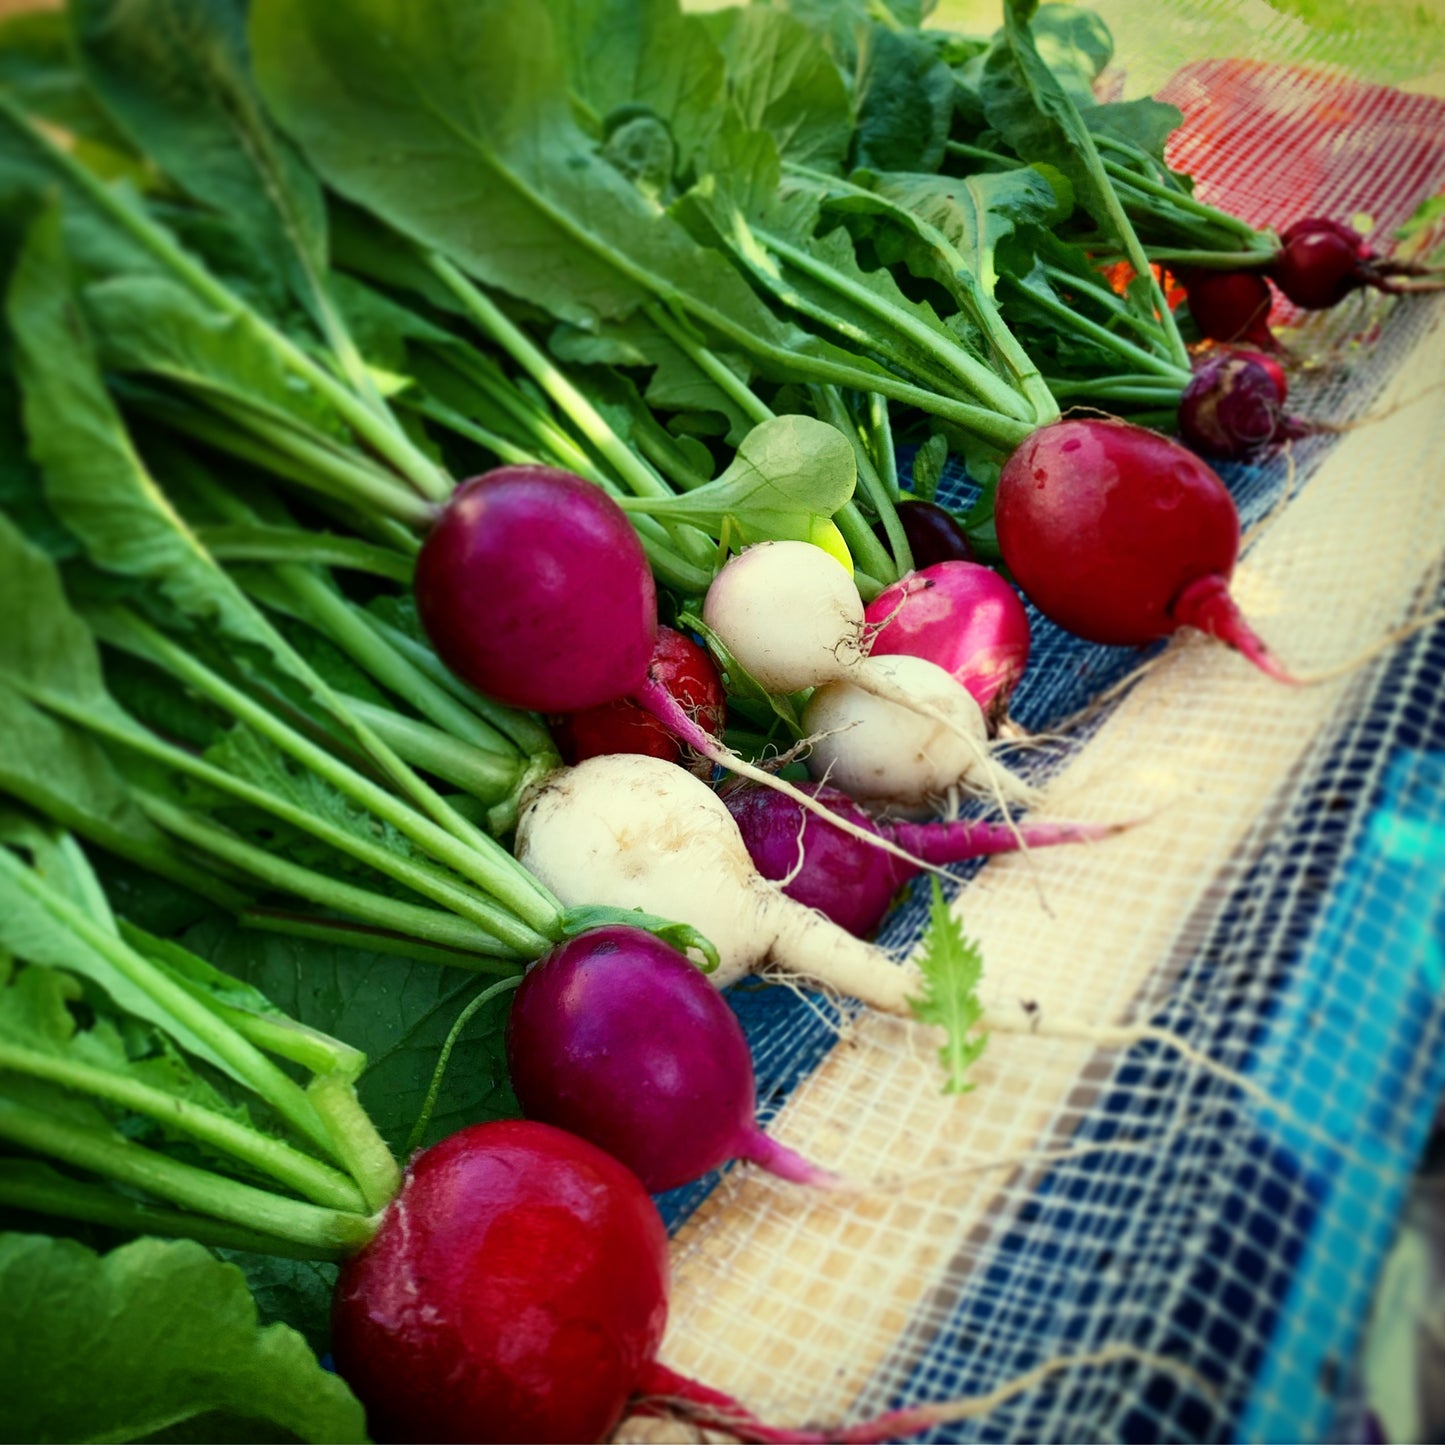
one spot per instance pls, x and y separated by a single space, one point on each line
934 533
962 616
616 1037
1233 406
852 884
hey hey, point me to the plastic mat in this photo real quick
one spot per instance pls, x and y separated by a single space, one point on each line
1282 909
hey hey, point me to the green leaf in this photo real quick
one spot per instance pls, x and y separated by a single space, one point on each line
952 967
782 82
1075 44
620 54
395 1010
1145 123
788 473
176 75
905 102
928 467
153 1336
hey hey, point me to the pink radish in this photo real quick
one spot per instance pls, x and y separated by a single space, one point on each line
1122 536
962 616
616 1037
824 869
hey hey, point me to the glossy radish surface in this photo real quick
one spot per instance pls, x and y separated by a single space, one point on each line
962 616
1122 536
1232 407
534 589
1320 263
934 533
617 1037
516 1290
688 673
1230 305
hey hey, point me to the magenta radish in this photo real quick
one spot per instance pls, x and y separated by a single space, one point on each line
616 1037
791 616
1231 306
962 616
1122 536
822 868
1233 406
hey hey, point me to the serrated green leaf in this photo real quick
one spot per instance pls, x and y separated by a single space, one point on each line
952 968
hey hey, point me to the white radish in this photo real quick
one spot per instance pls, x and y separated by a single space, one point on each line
791 616
886 755
631 831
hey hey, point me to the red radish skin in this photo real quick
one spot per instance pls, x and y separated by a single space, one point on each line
1322 261
1122 536
534 589
853 884
516 1290
688 673
1231 306
962 616
618 1038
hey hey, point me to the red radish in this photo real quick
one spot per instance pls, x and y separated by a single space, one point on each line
822 868
1271 364
688 672
616 1037
1122 536
516 1290
934 534
1230 305
962 616
1233 406
1322 261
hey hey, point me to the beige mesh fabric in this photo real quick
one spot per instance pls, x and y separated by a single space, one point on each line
819 1309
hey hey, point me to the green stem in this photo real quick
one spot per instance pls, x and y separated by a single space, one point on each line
263 543
983 383
1211 260
478 858
1107 299
482 772
444 1058
374 940
1146 360
37 1188
429 924
978 153
386 439
874 559
102 1152
885 455
307 1176
1118 390
361 1148
245 1061
710 364
1183 200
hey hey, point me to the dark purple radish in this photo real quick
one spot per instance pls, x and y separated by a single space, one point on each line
1122 536
1271 363
962 616
618 1038
1322 261
851 883
934 533
534 589
1231 306
1233 407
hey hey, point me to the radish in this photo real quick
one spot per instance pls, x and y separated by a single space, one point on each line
516 1290
630 831
1122 536
791 616
616 1037
904 756
934 533
1233 406
1320 262
1230 306
534 589
964 617
688 673
822 868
